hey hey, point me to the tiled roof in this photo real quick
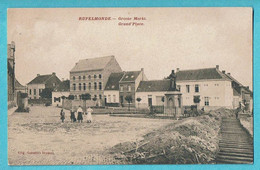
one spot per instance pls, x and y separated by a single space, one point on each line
235 92
63 86
18 85
113 81
200 74
154 85
92 64
130 76
41 79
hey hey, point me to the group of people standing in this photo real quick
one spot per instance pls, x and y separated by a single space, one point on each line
79 114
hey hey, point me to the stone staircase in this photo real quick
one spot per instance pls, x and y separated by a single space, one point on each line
235 145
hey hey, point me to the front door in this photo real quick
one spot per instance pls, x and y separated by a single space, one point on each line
150 102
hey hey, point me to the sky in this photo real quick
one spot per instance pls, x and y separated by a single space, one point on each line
53 40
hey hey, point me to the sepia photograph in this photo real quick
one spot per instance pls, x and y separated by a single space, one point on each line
105 86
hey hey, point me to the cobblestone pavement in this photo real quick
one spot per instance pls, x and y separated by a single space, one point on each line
39 137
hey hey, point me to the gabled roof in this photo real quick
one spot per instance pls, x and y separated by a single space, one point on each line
41 79
113 81
233 79
63 86
92 64
235 92
130 76
154 85
18 85
200 74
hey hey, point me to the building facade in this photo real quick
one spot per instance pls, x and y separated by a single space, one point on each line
91 75
128 86
62 89
11 73
41 82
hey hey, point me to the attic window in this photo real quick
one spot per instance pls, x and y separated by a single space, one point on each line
126 76
113 86
132 76
149 87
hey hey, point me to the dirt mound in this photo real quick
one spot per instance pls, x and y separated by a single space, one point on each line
190 141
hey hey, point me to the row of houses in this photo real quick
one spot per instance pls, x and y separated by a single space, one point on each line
105 81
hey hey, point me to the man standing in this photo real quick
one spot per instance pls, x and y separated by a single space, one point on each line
80 112
62 115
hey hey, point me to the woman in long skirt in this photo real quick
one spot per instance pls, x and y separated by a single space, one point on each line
72 116
80 112
62 115
89 116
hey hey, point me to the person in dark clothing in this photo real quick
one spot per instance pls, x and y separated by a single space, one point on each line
80 116
72 116
62 115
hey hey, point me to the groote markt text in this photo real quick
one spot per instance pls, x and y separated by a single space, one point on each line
124 21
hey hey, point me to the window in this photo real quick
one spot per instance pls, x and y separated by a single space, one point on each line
95 76
197 88
53 84
89 86
84 86
75 96
84 77
100 76
74 86
79 86
95 85
187 88
121 88
89 77
109 99
114 98
30 91
74 78
34 91
100 85
206 101
100 96
79 77
129 88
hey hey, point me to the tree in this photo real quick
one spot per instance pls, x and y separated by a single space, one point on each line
196 99
138 100
129 100
71 97
46 93
85 97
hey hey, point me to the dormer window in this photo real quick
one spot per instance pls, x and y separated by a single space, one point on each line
132 76
126 76
113 86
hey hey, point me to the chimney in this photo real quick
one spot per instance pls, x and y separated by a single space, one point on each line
223 71
178 69
53 73
217 67
229 74
38 75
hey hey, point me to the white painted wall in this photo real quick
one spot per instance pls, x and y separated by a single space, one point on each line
58 94
156 98
114 96
220 92
37 87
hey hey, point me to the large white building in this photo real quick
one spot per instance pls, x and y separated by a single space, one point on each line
213 87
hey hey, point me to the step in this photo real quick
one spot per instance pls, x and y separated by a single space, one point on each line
236 154
221 161
236 150
235 144
236 158
236 147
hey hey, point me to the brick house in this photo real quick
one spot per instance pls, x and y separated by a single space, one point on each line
128 86
41 82
91 75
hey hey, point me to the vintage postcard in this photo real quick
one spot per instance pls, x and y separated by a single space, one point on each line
130 86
